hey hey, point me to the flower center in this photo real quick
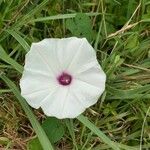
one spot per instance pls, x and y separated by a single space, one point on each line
64 79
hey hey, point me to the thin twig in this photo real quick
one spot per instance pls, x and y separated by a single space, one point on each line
137 67
127 26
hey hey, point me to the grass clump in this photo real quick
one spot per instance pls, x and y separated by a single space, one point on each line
120 33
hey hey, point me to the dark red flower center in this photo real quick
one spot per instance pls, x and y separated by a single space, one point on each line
64 79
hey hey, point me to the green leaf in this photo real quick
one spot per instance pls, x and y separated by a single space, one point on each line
70 126
4 140
53 128
139 92
22 42
132 42
80 26
5 57
34 144
61 16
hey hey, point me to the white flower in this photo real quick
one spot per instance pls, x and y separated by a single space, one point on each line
62 76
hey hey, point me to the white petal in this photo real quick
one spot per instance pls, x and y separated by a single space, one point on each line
89 85
84 56
72 107
35 99
43 57
67 49
94 76
62 104
86 93
35 87
53 104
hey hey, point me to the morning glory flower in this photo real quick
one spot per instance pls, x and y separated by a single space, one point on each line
62 76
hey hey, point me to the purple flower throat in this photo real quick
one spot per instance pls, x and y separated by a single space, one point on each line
64 79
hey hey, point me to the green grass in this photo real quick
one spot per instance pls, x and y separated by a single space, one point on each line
121 37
